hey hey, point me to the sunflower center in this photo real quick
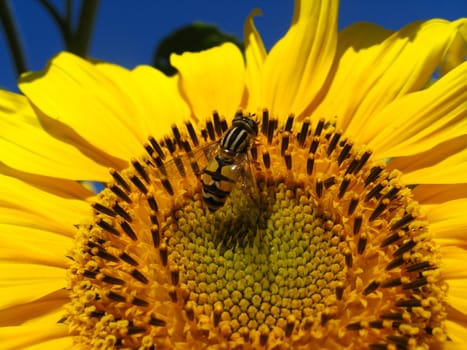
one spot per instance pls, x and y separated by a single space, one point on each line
319 247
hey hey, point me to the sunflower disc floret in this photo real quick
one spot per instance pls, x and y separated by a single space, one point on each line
338 254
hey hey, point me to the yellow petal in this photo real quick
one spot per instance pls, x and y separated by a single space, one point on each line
48 308
31 245
24 283
164 106
403 63
458 335
454 260
298 65
448 220
57 186
348 86
458 49
61 343
212 79
445 164
255 55
26 146
23 204
79 95
435 194
36 335
420 120
457 295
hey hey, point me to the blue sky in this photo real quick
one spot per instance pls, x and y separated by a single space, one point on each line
127 32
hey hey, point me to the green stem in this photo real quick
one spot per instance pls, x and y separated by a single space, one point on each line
12 37
63 24
82 35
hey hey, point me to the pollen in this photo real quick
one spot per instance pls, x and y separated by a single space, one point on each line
322 248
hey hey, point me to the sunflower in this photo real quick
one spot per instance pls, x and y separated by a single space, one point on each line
345 228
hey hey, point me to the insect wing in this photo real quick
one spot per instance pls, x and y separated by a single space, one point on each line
184 164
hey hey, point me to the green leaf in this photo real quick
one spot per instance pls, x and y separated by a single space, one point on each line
194 37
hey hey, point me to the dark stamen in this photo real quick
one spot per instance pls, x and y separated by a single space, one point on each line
288 160
344 153
135 330
352 205
400 341
137 275
175 277
168 186
156 238
422 266
152 202
402 222
177 136
122 212
303 132
104 210
362 161
395 263
128 259
289 123
371 288
284 143
192 133
140 170
163 254
116 297
352 166
409 303
374 173
217 122
156 147
107 227
266 160
179 164
271 128
392 193
392 283
309 164
119 180
355 326
157 322
344 185
112 280
173 295
210 129
139 302
128 230
137 182
119 192
319 188
419 282
319 127
339 292
314 145
394 316
333 143
390 239
361 245
357 224
169 144
329 181
289 328
375 192
405 247
377 212
265 122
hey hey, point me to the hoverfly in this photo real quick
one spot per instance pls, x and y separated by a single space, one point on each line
226 165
